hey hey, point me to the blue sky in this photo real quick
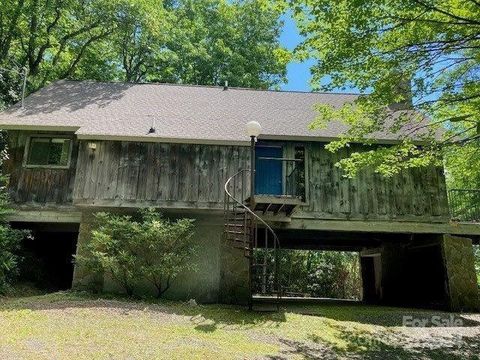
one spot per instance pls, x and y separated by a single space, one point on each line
298 73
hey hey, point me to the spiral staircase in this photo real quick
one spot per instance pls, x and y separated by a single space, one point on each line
246 230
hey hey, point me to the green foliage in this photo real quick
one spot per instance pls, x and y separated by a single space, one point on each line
476 253
197 42
421 55
10 240
321 273
150 248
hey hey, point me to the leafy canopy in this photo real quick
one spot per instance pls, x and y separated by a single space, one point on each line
414 54
202 42
10 239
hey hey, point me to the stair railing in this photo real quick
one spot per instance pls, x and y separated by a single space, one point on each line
232 199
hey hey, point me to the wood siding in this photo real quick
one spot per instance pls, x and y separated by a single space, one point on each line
413 195
156 174
193 176
38 185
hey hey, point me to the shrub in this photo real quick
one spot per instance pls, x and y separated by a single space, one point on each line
166 249
151 248
10 242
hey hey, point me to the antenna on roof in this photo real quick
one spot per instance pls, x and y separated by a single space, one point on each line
152 127
225 87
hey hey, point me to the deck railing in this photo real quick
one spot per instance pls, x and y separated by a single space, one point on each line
464 204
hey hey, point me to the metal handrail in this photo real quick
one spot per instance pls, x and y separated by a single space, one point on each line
276 242
247 208
464 204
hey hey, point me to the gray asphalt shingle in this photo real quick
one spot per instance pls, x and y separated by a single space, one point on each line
183 112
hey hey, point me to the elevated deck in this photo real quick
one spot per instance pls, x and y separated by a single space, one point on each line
274 204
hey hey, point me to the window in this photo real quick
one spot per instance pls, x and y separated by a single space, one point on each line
48 152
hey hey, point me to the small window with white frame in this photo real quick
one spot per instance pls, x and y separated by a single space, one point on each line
48 151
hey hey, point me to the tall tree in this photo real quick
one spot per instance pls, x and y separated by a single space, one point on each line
185 41
414 54
206 42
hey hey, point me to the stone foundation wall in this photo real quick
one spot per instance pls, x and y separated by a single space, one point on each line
83 278
461 278
234 275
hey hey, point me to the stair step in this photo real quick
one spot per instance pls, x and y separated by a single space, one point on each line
241 248
235 232
237 238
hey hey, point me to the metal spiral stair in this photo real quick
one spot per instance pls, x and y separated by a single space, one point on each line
247 231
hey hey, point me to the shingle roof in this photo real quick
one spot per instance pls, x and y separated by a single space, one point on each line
178 112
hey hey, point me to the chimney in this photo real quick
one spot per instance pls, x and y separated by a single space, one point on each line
225 87
403 89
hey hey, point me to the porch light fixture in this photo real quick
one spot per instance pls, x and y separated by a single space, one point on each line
253 129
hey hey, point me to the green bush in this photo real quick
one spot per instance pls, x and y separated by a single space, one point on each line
333 274
10 242
150 248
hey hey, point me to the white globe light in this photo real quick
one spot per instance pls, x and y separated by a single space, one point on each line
253 128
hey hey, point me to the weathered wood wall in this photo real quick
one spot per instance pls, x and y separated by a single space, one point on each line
413 195
37 185
157 174
193 176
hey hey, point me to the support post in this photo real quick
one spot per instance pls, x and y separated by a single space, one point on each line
252 234
252 167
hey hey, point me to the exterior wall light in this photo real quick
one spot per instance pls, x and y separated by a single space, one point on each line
253 129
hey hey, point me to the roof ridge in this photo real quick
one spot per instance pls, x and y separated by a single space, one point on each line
208 87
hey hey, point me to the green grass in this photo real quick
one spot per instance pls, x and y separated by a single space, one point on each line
82 326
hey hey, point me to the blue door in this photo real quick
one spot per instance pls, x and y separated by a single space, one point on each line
268 175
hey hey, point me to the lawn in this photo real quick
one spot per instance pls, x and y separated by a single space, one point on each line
81 326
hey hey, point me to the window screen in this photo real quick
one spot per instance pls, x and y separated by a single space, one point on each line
48 151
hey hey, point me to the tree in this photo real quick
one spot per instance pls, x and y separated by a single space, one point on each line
216 41
202 42
151 248
421 55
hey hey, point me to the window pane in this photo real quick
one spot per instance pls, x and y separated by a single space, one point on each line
49 151
38 151
65 152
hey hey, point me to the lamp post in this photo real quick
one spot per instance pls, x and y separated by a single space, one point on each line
253 130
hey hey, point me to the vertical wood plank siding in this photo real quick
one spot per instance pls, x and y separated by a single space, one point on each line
193 176
37 185
413 195
144 174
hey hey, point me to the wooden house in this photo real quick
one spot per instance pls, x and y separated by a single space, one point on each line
76 148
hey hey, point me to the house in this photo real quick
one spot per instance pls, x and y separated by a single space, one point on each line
78 147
